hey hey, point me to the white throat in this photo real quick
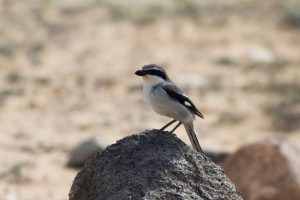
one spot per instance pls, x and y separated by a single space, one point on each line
150 80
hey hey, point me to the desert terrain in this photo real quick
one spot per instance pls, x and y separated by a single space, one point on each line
67 74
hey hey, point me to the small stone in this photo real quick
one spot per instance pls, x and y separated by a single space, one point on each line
217 157
260 54
85 151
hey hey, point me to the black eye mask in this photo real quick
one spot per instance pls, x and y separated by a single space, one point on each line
155 72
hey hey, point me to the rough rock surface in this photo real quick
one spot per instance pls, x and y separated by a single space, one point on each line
85 151
267 170
151 165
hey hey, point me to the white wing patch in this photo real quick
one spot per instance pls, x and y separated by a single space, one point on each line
187 104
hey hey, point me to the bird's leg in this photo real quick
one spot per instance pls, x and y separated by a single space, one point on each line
168 124
179 123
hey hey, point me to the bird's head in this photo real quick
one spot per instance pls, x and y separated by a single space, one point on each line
152 74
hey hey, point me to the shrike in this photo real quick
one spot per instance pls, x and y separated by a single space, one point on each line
168 100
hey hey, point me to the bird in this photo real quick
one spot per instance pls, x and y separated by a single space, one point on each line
168 100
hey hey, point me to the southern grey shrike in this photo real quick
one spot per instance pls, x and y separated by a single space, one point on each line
168 100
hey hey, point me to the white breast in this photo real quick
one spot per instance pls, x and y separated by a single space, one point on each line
164 105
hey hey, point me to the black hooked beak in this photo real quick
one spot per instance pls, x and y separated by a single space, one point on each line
140 73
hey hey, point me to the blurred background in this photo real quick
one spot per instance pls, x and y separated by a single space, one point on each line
67 74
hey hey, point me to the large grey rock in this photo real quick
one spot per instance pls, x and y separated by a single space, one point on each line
151 165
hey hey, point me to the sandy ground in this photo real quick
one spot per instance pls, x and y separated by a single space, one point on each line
67 74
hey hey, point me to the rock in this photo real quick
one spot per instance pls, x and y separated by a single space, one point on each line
10 196
85 151
217 157
292 15
151 165
266 170
260 54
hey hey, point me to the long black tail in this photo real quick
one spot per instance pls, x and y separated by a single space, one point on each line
189 127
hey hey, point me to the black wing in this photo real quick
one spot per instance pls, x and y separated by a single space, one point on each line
176 94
